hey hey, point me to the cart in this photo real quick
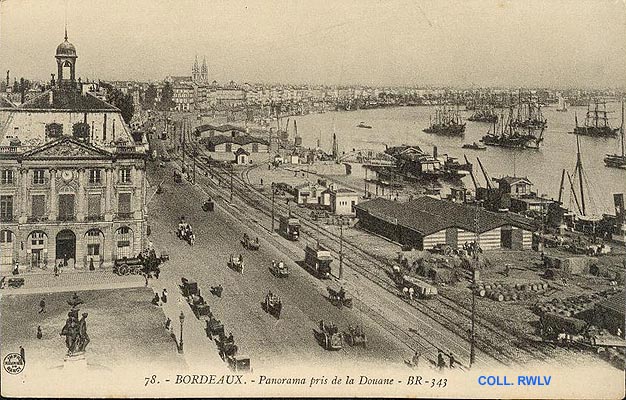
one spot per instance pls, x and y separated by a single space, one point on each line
279 269
355 337
208 205
214 327
239 363
250 244
328 336
236 263
317 260
273 305
338 296
128 266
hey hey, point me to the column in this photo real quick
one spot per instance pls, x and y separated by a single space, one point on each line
21 208
80 201
53 211
136 182
108 214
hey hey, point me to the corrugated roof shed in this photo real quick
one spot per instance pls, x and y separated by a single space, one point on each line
615 303
427 215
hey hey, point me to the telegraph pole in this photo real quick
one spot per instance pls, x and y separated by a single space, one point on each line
341 249
273 194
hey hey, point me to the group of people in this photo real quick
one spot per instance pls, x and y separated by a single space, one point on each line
441 362
472 248
158 300
329 328
185 232
237 263
408 292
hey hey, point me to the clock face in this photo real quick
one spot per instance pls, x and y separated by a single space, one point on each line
67 175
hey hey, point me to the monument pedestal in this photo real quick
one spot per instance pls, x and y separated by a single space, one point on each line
75 362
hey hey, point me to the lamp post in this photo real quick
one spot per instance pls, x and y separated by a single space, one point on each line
182 320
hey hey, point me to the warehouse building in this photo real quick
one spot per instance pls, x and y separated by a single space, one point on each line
425 222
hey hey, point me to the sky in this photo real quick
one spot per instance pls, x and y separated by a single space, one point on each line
528 43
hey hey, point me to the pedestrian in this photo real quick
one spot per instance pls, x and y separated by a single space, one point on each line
56 269
164 296
168 324
452 361
39 334
155 299
157 272
23 354
441 364
42 306
416 359
65 260
411 292
145 277
16 268
405 291
91 266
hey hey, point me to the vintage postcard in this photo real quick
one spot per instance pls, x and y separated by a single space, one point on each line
203 198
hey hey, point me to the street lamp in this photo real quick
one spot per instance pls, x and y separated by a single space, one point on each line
182 319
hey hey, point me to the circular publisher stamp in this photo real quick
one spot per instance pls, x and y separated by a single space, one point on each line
13 363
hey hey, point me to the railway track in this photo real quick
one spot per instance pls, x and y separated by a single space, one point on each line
500 341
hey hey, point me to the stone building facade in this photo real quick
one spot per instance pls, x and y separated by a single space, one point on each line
72 179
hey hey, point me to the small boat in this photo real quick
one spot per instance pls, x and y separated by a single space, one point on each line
363 125
474 146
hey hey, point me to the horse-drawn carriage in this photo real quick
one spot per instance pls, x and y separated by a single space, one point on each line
191 292
338 296
14 283
250 244
185 233
236 263
139 265
214 327
239 363
226 346
355 336
279 269
208 205
328 336
273 304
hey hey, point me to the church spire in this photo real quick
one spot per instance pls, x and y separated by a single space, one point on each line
66 31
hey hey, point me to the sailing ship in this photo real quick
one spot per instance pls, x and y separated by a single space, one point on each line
562 104
596 122
616 160
528 114
511 136
474 146
447 122
581 219
484 114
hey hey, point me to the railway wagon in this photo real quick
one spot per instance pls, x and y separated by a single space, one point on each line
317 260
422 289
290 227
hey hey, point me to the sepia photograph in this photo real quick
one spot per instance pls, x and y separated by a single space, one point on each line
289 198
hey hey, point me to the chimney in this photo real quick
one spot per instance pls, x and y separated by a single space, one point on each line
22 90
8 77
435 151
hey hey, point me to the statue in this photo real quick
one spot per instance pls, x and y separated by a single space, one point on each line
70 331
83 337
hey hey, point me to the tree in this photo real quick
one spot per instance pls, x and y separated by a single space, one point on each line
150 96
120 100
167 97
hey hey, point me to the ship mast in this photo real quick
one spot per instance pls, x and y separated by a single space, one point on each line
579 167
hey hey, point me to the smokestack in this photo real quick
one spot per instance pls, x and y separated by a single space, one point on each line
22 90
435 151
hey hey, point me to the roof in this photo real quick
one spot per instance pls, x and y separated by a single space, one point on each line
511 180
220 128
240 140
67 100
427 215
240 151
6 103
66 49
615 303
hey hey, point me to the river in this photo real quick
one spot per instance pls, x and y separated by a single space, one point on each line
403 125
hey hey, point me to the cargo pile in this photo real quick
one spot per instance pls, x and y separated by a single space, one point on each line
572 306
498 291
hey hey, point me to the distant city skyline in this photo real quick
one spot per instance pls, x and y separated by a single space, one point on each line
493 43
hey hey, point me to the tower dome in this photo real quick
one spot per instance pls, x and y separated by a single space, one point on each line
66 49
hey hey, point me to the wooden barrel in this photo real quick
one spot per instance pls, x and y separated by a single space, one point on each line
488 286
500 297
481 292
